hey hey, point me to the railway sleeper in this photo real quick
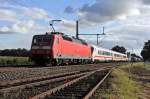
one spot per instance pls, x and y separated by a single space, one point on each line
79 89
61 97
41 87
69 93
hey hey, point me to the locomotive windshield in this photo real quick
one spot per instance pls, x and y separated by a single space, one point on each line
42 40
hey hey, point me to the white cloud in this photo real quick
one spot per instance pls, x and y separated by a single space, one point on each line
26 19
8 15
36 13
4 29
22 19
104 11
24 26
131 33
68 25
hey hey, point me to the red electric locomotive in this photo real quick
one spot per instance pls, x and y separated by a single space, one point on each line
56 48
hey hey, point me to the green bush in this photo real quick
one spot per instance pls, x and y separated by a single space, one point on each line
7 60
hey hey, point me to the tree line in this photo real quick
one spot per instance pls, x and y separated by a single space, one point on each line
119 49
145 53
15 52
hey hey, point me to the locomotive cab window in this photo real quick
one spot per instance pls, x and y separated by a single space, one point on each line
34 41
42 40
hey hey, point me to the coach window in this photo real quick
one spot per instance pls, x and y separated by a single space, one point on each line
99 52
105 53
108 53
102 52
111 54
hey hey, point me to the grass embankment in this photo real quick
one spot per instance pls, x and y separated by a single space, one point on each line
8 60
126 83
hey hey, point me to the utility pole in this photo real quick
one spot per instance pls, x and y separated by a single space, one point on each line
77 32
77 29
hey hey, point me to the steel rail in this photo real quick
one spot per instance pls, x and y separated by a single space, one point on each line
49 92
41 82
34 79
95 88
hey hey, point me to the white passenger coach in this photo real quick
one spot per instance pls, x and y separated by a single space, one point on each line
100 54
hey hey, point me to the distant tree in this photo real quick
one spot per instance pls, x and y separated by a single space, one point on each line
135 57
120 49
15 52
145 53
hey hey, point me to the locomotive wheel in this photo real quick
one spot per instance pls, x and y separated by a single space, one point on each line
59 61
54 62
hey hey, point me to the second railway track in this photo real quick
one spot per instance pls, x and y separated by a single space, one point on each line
29 89
38 86
79 88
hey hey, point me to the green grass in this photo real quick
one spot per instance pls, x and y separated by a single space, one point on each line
123 87
9 60
120 87
138 64
120 84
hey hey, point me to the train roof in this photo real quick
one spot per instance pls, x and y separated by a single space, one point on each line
104 49
101 48
118 53
67 37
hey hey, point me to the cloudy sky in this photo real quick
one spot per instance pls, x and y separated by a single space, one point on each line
126 22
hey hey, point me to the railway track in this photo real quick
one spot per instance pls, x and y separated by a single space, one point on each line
35 86
29 89
49 66
79 88
34 79
9 74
